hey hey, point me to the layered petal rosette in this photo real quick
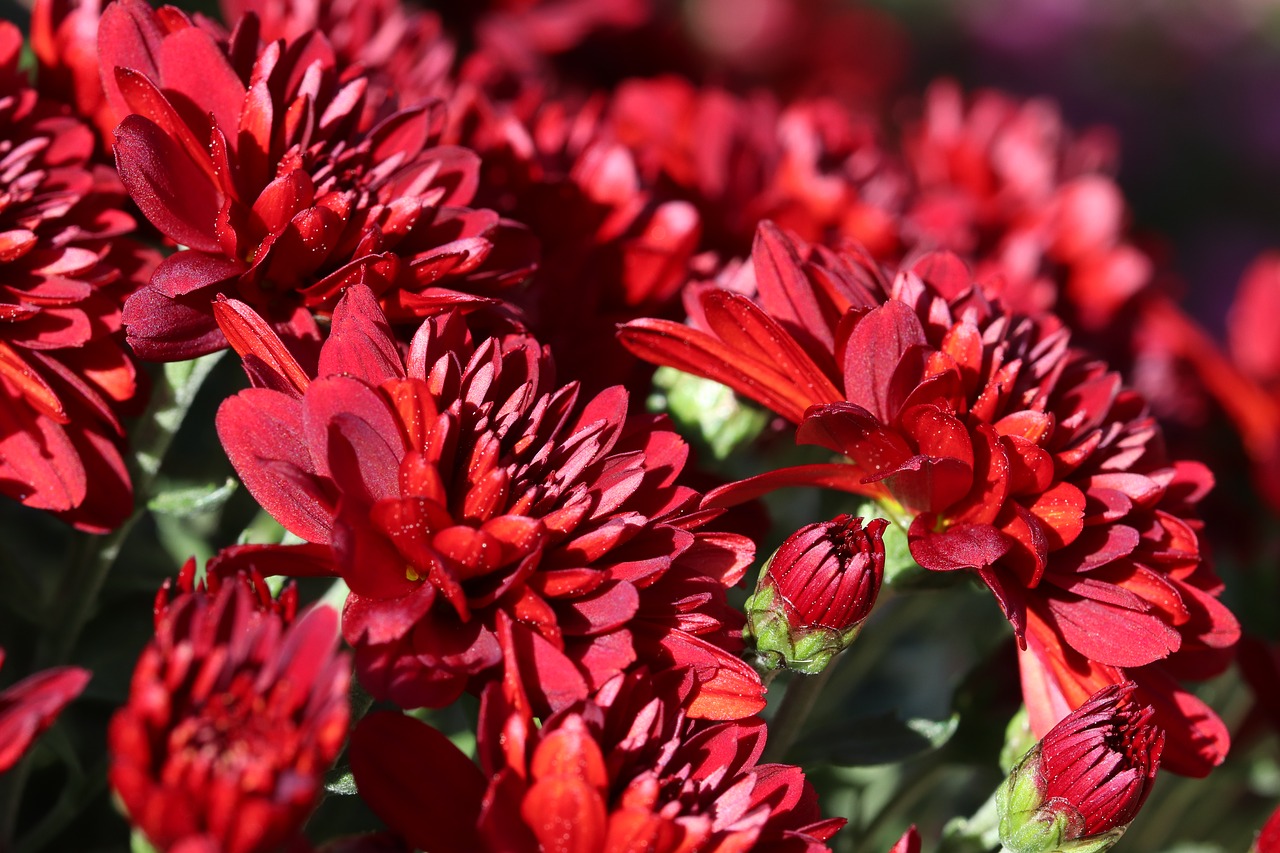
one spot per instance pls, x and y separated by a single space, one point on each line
626 769
66 265
462 484
1001 450
235 714
286 181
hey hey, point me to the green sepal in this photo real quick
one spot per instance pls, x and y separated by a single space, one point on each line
1018 740
1042 832
1095 844
778 644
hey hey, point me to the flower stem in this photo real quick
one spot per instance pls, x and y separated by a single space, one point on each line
975 834
78 592
787 724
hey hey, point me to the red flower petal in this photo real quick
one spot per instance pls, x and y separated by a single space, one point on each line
436 810
171 190
253 339
262 432
874 352
30 706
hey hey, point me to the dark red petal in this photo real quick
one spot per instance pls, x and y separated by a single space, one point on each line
262 432
878 343
417 781
185 273
360 343
1196 739
160 328
961 546
908 843
786 292
172 191
849 429
839 475
363 418
191 63
251 338
38 462
566 814
1115 636
726 687
145 99
30 706
129 36
548 677
751 332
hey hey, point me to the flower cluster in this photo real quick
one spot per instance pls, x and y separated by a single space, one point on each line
449 254
997 447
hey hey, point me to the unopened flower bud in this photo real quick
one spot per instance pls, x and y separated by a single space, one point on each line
814 593
1078 789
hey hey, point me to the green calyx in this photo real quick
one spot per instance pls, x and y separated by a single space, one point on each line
1028 823
780 645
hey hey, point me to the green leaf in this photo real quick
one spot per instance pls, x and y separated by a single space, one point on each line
707 410
190 500
138 843
341 782
875 739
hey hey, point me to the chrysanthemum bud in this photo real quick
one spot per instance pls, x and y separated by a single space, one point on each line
814 593
1078 789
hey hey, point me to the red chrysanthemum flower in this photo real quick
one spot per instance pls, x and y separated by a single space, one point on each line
612 250
402 48
285 182
1002 451
234 716
623 770
1007 183
66 266
30 706
813 166
464 484
1002 182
